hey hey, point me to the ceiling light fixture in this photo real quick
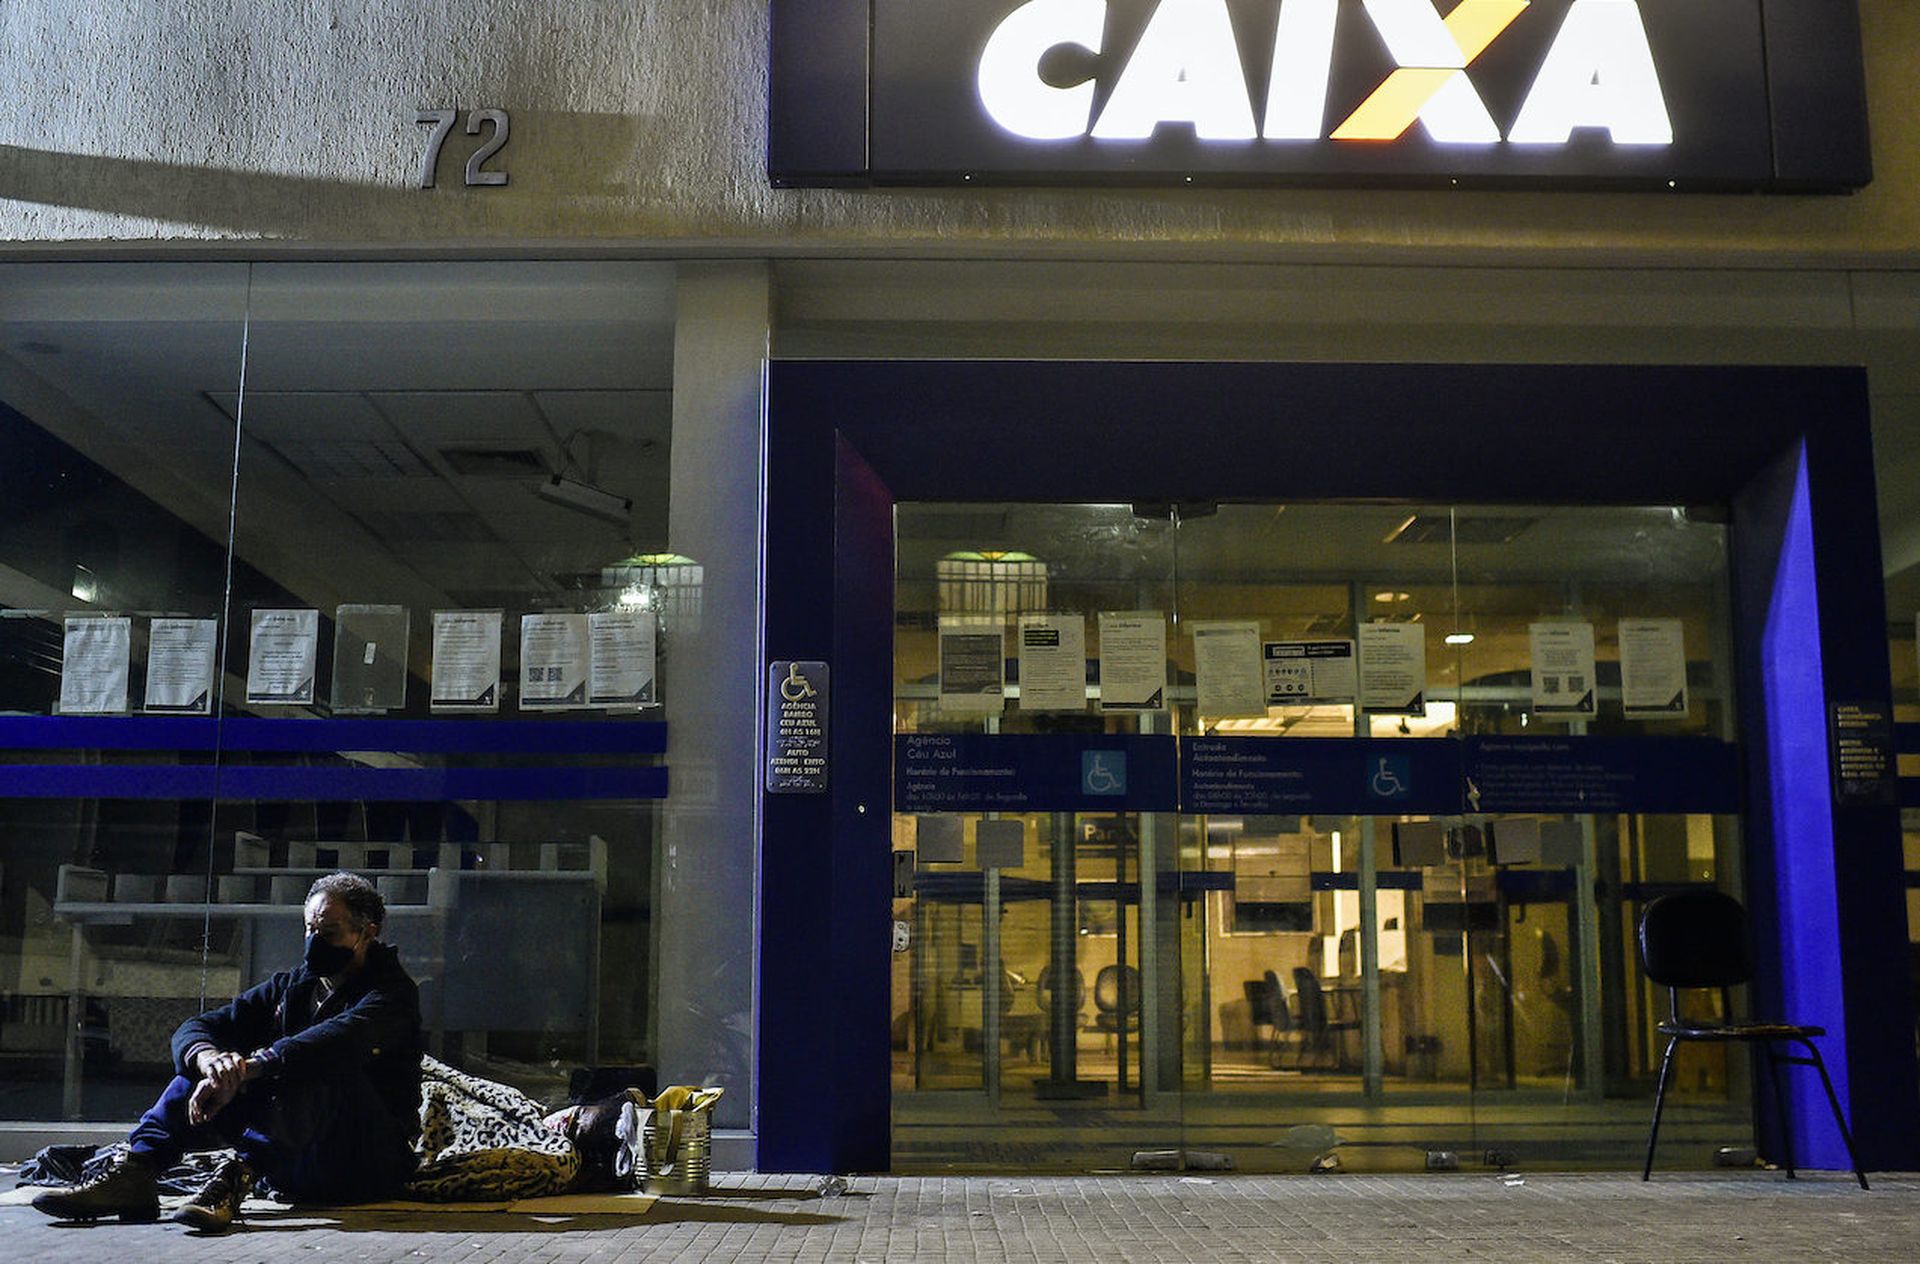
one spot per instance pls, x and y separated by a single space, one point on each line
587 499
1459 638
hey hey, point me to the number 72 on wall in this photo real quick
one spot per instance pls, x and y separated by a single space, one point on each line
442 122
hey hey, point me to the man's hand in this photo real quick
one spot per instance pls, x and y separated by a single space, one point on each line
208 1099
228 1071
221 1075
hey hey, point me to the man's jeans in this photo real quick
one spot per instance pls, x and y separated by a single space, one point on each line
327 1141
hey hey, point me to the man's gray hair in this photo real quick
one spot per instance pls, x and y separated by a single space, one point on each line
361 898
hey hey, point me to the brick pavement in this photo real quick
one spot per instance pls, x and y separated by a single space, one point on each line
983 1220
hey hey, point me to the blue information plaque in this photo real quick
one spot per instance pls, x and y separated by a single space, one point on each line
1031 772
1602 774
1290 776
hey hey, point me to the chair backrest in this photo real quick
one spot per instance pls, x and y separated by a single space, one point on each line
1313 1003
1695 939
1277 996
1259 1001
1043 989
1106 989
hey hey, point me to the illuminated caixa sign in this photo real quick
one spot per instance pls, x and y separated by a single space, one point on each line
1683 94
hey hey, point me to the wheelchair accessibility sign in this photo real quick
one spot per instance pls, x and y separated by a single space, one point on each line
1103 772
1389 777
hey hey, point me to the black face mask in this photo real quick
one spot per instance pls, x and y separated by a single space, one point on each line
327 959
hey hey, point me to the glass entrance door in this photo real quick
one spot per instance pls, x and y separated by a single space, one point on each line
1037 996
1317 944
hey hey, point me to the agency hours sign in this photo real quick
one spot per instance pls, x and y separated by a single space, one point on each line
1634 93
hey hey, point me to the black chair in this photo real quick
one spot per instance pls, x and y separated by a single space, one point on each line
1285 1033
1698 939
1259 1008
1116 999
1319 1030
1074 995
1076 989
1267 1008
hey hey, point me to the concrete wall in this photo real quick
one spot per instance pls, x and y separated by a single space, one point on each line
642 125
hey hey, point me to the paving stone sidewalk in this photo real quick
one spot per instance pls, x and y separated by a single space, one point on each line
901 1220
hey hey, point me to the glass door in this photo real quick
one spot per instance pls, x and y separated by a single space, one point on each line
1036 985
1392 981
1252 833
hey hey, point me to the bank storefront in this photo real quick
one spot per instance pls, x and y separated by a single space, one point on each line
1058 580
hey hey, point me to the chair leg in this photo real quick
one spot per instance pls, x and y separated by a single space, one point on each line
1833 1100
1781 1107
1659 1102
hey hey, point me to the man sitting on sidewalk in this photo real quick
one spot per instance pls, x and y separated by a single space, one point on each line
312 1078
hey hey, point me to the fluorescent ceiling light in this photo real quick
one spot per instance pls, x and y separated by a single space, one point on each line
587 499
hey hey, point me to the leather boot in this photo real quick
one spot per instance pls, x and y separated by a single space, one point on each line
217 1205
128 1189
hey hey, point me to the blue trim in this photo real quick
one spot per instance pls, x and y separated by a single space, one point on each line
247 783
473 736
969 886
1383 880
1535 886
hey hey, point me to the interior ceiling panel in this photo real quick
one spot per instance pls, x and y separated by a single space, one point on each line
1308 543
357 377
525 518
323 458
406 528
305 415
463 355
631 414
365 496
435 419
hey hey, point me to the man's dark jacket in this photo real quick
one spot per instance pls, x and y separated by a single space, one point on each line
370 1026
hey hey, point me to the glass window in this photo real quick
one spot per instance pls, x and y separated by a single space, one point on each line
401 529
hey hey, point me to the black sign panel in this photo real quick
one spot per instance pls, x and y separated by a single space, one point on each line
1865 756
1629 93
797 727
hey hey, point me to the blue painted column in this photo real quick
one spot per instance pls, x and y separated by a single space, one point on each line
1825 879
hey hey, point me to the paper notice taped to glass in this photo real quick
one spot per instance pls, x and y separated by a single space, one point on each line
94 663
1133 661
554 657
282 651
1053 662
466 660
180 666
1226 667
623 657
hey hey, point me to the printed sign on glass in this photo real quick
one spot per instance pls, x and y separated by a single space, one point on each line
1562 668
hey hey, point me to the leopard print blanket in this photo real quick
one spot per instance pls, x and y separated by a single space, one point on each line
481 1141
